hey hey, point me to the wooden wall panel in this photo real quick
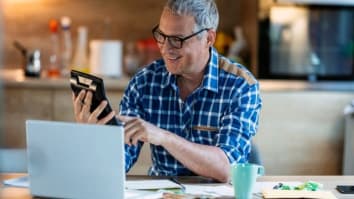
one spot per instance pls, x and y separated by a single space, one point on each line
27 21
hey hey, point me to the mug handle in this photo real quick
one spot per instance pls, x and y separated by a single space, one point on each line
260 171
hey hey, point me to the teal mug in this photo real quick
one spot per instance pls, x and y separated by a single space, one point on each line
243 178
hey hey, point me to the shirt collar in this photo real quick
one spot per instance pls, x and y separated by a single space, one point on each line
168 78
211 74
210 79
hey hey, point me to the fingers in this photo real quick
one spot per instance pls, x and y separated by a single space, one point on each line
88 98
133 137
129 133
87 102
136 137
107 118
129 122
99 110
82 106
134 131
124 118
77 101
93 118
132 126
78 105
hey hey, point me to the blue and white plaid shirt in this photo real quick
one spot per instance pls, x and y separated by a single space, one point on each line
222 112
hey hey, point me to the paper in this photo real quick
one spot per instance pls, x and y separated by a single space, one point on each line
150 184
137 194
210 190
17 182
227 190
129 194
271 193
129 184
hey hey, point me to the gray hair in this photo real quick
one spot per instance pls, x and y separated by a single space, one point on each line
205 12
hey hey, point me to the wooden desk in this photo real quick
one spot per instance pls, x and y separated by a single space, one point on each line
329 182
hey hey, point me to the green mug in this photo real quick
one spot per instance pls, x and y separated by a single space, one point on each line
243 178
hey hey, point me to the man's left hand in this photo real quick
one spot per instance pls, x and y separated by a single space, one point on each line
138 129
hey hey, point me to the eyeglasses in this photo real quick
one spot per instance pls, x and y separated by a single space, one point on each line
174 41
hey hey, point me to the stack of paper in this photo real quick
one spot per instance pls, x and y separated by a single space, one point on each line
17 182
210 190
137 194
147 189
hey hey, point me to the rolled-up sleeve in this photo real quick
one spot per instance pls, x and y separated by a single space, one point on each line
240 123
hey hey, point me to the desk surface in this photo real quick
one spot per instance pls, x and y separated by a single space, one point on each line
329 182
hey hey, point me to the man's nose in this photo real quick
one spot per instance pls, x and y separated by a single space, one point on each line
166 46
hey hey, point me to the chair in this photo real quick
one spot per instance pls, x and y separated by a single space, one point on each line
254 157
13 160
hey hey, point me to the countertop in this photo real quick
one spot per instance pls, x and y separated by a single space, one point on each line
300 85
15 78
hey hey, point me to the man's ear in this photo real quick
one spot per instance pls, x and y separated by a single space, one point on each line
211 37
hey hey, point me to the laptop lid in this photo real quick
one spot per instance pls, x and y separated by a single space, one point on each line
71 160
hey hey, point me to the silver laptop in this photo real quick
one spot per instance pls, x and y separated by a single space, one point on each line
71 160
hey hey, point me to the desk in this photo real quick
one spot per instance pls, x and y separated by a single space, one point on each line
329 183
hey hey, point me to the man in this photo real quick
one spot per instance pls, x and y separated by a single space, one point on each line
196 109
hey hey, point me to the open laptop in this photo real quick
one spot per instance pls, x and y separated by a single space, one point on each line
71 160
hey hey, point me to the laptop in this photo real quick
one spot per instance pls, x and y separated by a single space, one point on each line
72 160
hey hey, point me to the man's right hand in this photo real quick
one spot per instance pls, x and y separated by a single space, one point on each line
82 104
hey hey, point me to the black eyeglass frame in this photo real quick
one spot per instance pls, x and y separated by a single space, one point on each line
176 38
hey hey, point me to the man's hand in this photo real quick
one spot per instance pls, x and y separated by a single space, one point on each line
209 161
82 105
137 129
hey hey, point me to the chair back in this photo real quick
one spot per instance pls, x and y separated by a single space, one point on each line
254 157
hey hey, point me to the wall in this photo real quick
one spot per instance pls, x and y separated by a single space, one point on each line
301 133
1 32
1 46
249 23
27 21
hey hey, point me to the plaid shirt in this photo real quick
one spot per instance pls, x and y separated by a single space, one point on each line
222 112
